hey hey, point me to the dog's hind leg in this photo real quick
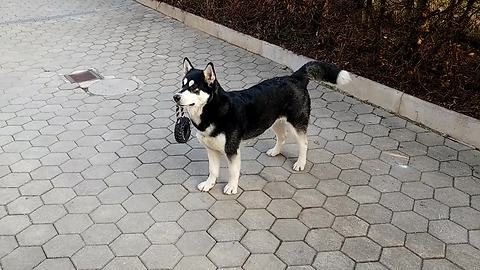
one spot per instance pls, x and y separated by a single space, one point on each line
214 170
234 163
302 141
280 133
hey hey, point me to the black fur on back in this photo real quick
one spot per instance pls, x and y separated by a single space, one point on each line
245 114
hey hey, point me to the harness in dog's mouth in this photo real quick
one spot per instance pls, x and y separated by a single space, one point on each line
182 126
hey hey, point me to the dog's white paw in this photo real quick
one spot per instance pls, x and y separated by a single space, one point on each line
205 185
299 166
273 152
230 189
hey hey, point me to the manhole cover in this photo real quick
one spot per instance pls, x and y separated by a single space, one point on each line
83 76
110 87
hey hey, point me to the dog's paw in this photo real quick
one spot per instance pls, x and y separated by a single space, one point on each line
273 152
205 186
299 166
230 189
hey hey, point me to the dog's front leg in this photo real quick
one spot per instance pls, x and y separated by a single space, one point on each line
214 170
234 163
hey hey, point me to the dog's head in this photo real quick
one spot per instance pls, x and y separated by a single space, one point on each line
198 86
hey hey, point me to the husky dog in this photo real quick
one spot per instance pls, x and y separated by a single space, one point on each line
224 119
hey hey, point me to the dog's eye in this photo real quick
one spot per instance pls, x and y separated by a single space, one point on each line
195 90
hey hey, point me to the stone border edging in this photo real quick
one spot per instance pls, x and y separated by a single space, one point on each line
456 125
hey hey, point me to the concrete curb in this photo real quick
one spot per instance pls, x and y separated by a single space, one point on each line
456 125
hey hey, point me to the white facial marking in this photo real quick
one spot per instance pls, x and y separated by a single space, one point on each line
190 83
185 81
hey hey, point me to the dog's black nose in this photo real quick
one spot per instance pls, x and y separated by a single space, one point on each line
176 98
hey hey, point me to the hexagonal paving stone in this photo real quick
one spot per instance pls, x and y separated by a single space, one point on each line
73 223
92 257
361 249
332 187
16 259
447 231
227 230
254 199
168 211
195 262
164 233
396 201
364 194
228 254
289 229
7 244
374 213
196 220
295 253
129 245
334 260
425 245
284 208
316 218
60 263
48 214
451 197
82 204
36 235
464 255
436 179
161 257
341 205
24 205
63 245
309 198
125 263
441 264
167 193
386 235
431 209
263 262
260 241
400 258
99 234
410 221
195 243
226 209
466 217
107 213
135 223
324 239
140 203
58 196
279 190
350 226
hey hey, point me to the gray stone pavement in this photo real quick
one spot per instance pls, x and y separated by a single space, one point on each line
90 182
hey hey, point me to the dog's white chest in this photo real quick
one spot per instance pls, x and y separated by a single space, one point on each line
216 143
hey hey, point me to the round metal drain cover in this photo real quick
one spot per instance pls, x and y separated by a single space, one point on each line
111 87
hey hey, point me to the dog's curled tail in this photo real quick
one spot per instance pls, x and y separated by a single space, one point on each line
323 71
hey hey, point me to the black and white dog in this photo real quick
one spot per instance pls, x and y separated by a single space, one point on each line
224 119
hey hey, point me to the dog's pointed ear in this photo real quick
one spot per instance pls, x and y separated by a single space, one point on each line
187 65
209 73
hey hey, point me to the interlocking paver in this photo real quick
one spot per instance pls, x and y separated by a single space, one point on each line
16 259
263 262
227 230
425 245
228 254
260 241
195 262
361 249
400 258
107 170
334 260
295 253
